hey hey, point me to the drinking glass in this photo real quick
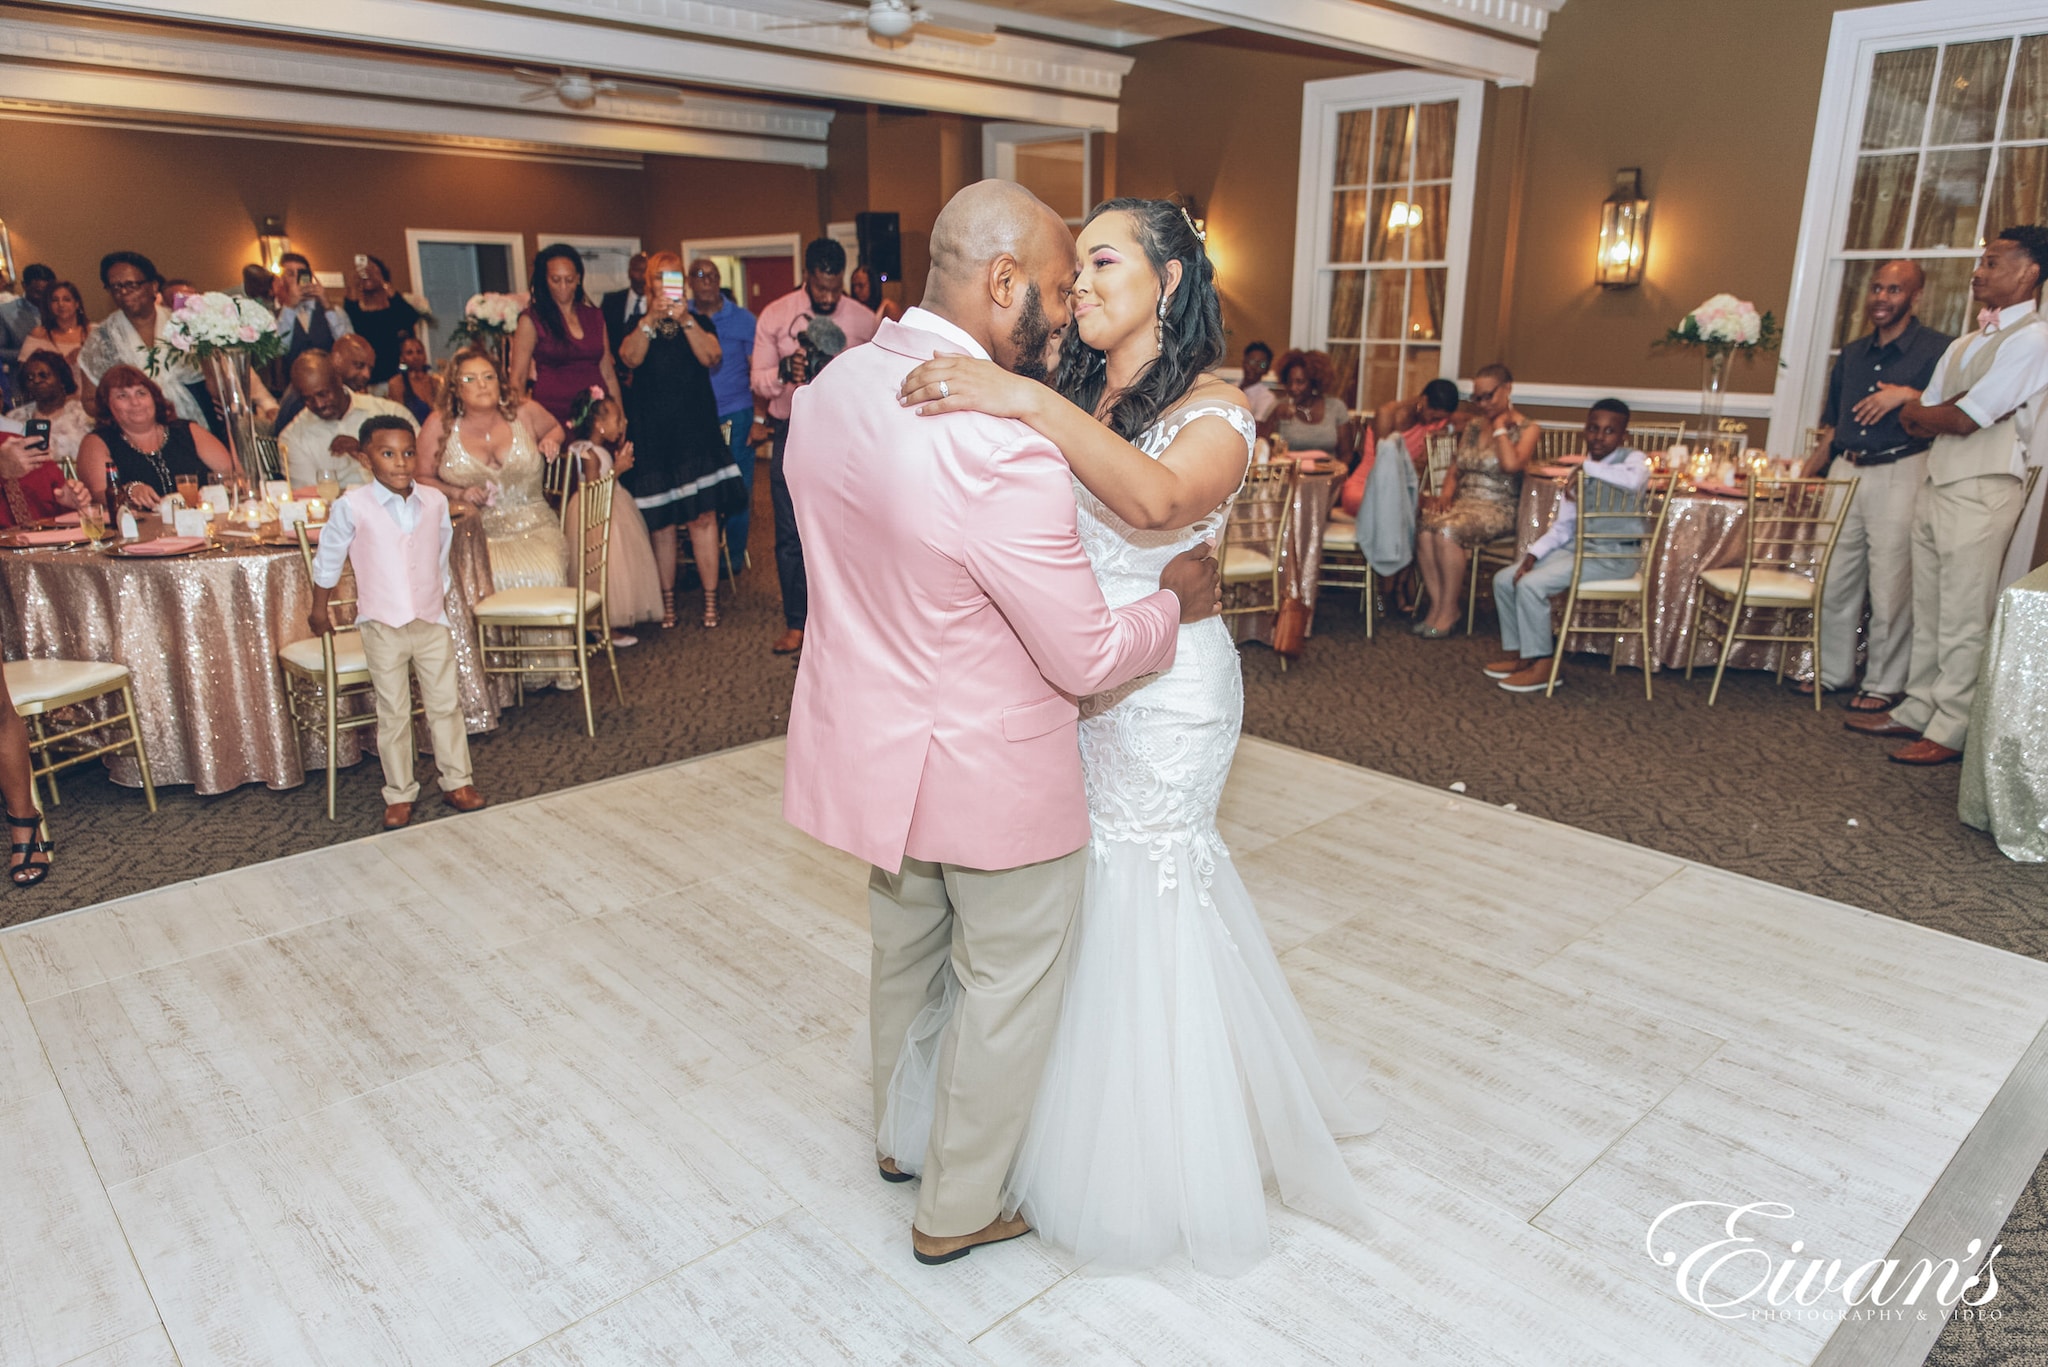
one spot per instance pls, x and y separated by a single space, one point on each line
329 489
187 487
92 520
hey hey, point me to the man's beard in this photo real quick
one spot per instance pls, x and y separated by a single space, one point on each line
1032 337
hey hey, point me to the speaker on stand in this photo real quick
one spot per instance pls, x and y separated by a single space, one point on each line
881 245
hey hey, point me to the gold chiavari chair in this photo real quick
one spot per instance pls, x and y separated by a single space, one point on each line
558 478
41 687
1443 452
1617 524
1555 441
1788 536
269 461
1252 538
504 620
1496 554
325 674
1650 437
1345 567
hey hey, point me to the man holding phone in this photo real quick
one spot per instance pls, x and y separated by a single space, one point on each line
305 320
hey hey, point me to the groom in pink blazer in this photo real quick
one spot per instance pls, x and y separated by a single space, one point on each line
954 623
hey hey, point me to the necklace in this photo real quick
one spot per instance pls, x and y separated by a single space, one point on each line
154 456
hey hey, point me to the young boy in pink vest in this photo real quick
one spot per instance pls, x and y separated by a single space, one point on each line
396 534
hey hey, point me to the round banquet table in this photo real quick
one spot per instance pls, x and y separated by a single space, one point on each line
2005 764
200 635
1704 532
1301 556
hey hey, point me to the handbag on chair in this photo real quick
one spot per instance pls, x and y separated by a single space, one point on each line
1290 628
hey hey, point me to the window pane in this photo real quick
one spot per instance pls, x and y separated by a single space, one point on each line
2021 192
1354 139
1345 356
1387 310
1426 304
1850 322
1382 378
1347 304
1945 305
1424 364
1426 239
1966 96
1347 225
2026 112
1389 224
1436 140
1951 198
1877 206
1392 144
1899 82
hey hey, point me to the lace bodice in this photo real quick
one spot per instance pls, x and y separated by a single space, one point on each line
1156 751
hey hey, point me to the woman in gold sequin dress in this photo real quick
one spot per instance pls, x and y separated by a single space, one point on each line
1479 499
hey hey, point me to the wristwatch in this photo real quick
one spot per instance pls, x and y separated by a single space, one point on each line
647 332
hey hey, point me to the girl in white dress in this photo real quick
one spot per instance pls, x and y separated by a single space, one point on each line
1183 1075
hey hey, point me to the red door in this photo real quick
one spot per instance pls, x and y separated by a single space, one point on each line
768 279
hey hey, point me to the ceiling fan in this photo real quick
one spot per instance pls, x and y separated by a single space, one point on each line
579 89
895 22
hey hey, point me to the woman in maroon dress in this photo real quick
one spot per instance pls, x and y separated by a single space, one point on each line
560 343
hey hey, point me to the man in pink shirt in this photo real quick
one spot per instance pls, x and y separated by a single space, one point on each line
934 728
793 339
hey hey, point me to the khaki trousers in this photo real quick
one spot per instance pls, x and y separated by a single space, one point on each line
395 654
1875 553
1959 536
1007 933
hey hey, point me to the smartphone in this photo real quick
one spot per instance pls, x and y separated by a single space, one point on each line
37 434
672 284
362 263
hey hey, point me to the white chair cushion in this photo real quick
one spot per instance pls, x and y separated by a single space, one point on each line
1342 535
1612 588
350 664
45 681
1242 562
536 607
1765 586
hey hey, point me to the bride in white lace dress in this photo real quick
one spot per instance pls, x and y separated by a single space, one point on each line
1183 1076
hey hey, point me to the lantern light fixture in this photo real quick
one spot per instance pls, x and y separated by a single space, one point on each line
1624 230
271 242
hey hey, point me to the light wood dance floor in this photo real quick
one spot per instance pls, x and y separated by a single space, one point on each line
581 1080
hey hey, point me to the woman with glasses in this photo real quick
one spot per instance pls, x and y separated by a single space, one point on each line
125 336
1479 498
561 340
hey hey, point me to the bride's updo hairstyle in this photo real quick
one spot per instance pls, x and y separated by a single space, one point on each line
1191 334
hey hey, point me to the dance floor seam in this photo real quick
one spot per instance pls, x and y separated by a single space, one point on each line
581 1080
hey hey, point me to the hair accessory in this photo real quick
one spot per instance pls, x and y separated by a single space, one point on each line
1201 235
596 392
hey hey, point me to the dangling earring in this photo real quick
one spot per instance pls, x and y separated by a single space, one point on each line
1159 327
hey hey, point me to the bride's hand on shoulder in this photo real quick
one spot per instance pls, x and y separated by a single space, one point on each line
968 383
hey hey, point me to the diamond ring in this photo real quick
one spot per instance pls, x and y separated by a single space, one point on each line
944 392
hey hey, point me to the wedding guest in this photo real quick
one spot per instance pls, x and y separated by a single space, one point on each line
380 317
1259 395
259 284
416 385
32 472
142 445
1979 410
305 320
320 442
1308 415
623 309
23 314
1479 497
28 860
779 339
352 359
597 439
561 336
125 336
731 387
62 332
1522 591
396 532
1389 495
1873 377
684 474
866 290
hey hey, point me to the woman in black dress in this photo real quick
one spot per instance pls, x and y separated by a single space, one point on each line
141 446
683 473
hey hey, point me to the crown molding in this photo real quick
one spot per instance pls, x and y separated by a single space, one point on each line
1393 35
1522 18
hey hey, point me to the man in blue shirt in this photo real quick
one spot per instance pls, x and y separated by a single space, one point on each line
729 385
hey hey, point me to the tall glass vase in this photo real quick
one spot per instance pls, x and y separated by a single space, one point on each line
227 373
1713 393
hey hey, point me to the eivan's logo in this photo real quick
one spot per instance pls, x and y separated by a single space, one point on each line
1735 1277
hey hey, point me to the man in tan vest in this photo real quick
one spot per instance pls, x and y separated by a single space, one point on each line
1980 409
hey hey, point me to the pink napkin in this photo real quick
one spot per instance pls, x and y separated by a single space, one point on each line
165 545
55 537
66 519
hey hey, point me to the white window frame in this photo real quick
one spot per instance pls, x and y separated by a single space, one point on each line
1000 141
1321 103
767 244
415 236
1857 37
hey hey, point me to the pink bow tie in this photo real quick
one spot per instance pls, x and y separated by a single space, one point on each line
1987 319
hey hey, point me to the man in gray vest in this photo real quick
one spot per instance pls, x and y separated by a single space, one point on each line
1980 410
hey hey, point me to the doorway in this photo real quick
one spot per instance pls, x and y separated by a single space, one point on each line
449 267
758 270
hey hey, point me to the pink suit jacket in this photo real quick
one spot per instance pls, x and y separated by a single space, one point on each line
954 620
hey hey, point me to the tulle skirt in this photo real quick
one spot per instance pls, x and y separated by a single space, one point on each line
632 581
1182 1080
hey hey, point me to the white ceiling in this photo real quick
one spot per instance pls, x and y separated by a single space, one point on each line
754 72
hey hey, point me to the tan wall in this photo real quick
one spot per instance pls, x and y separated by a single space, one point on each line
1219 118
694 197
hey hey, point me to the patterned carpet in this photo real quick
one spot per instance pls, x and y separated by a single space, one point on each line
1759 784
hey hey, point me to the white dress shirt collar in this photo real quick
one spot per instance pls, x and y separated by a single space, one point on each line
2013 313
924 320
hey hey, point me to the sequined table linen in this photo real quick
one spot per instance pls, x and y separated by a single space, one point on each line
200 636
1301 557
2005 760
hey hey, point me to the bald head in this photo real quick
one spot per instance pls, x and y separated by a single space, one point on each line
313 375
354 360
1003 265
1894 291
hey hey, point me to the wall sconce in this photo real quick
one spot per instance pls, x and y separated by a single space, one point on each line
271 243
1624 226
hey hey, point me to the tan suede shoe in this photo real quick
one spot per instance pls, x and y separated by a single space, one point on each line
931 1250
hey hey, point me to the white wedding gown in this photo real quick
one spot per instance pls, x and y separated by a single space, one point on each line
1183 1076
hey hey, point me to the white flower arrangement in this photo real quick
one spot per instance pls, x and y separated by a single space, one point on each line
213 324
487 317
1725 324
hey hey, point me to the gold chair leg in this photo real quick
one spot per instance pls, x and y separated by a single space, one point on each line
333 706
583 678
1643 635
1471 589
141 755
41 745
1368 600
1816 658
1699 621
1727 648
